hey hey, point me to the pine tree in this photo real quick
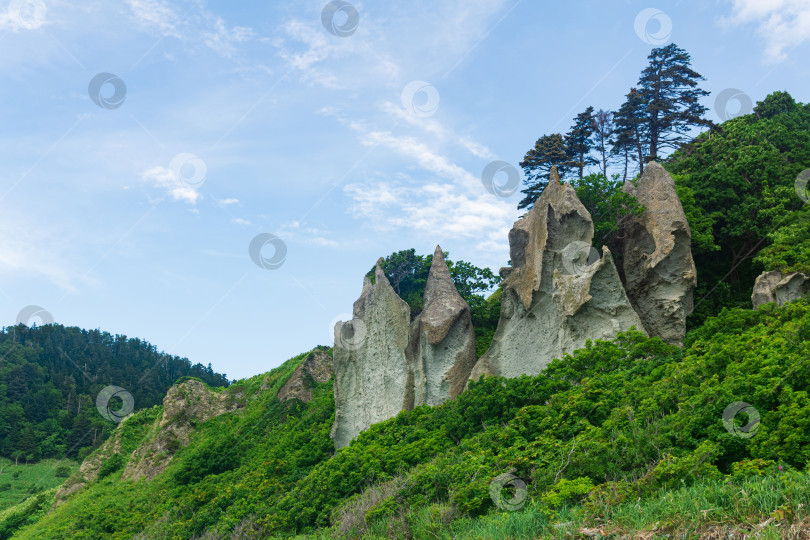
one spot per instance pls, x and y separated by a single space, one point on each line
603 121
578 143
548 151
669 88
630 131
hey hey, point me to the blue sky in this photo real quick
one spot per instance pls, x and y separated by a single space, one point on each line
133 213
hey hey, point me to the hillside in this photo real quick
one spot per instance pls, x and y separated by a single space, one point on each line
51 377
592 437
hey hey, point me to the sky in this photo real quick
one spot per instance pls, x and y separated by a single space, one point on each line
216 177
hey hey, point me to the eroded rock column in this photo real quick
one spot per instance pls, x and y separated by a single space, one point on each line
659 271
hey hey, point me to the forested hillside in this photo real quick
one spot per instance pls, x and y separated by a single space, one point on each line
614 426
50 377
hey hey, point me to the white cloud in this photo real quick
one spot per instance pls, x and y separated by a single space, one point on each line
224 40
228 201
783 24
155 14
300 232
191 26
240 221
24 15
166 179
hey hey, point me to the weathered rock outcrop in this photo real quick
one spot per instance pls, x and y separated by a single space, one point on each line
384 363
186 403
370 360
780 288
315 369
559 292
442 339
659 271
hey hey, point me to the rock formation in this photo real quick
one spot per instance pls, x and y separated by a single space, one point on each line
777 287
184 404
384 363
442 339
559 292
187 403
370 360
315 369
658 267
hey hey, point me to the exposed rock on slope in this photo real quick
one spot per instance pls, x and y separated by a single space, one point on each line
315 369
558 293
90 468
659 271
442 339
185 403
776 287
371 366
385 363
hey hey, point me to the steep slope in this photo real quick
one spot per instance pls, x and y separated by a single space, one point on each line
622 419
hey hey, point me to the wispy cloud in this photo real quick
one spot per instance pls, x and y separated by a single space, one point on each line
167 180
783 24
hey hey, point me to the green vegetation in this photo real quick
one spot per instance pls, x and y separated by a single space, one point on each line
742 179
625 434
50 377
18 482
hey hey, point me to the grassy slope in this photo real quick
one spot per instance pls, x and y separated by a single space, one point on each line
635 416
30 479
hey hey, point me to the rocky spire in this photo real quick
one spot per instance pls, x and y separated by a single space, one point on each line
659 271
560 291
442 338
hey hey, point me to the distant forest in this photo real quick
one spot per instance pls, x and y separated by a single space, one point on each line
50 377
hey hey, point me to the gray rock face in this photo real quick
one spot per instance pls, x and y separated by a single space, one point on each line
370 360
777 287
384 363
315 369
659 271
559 293
442 339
